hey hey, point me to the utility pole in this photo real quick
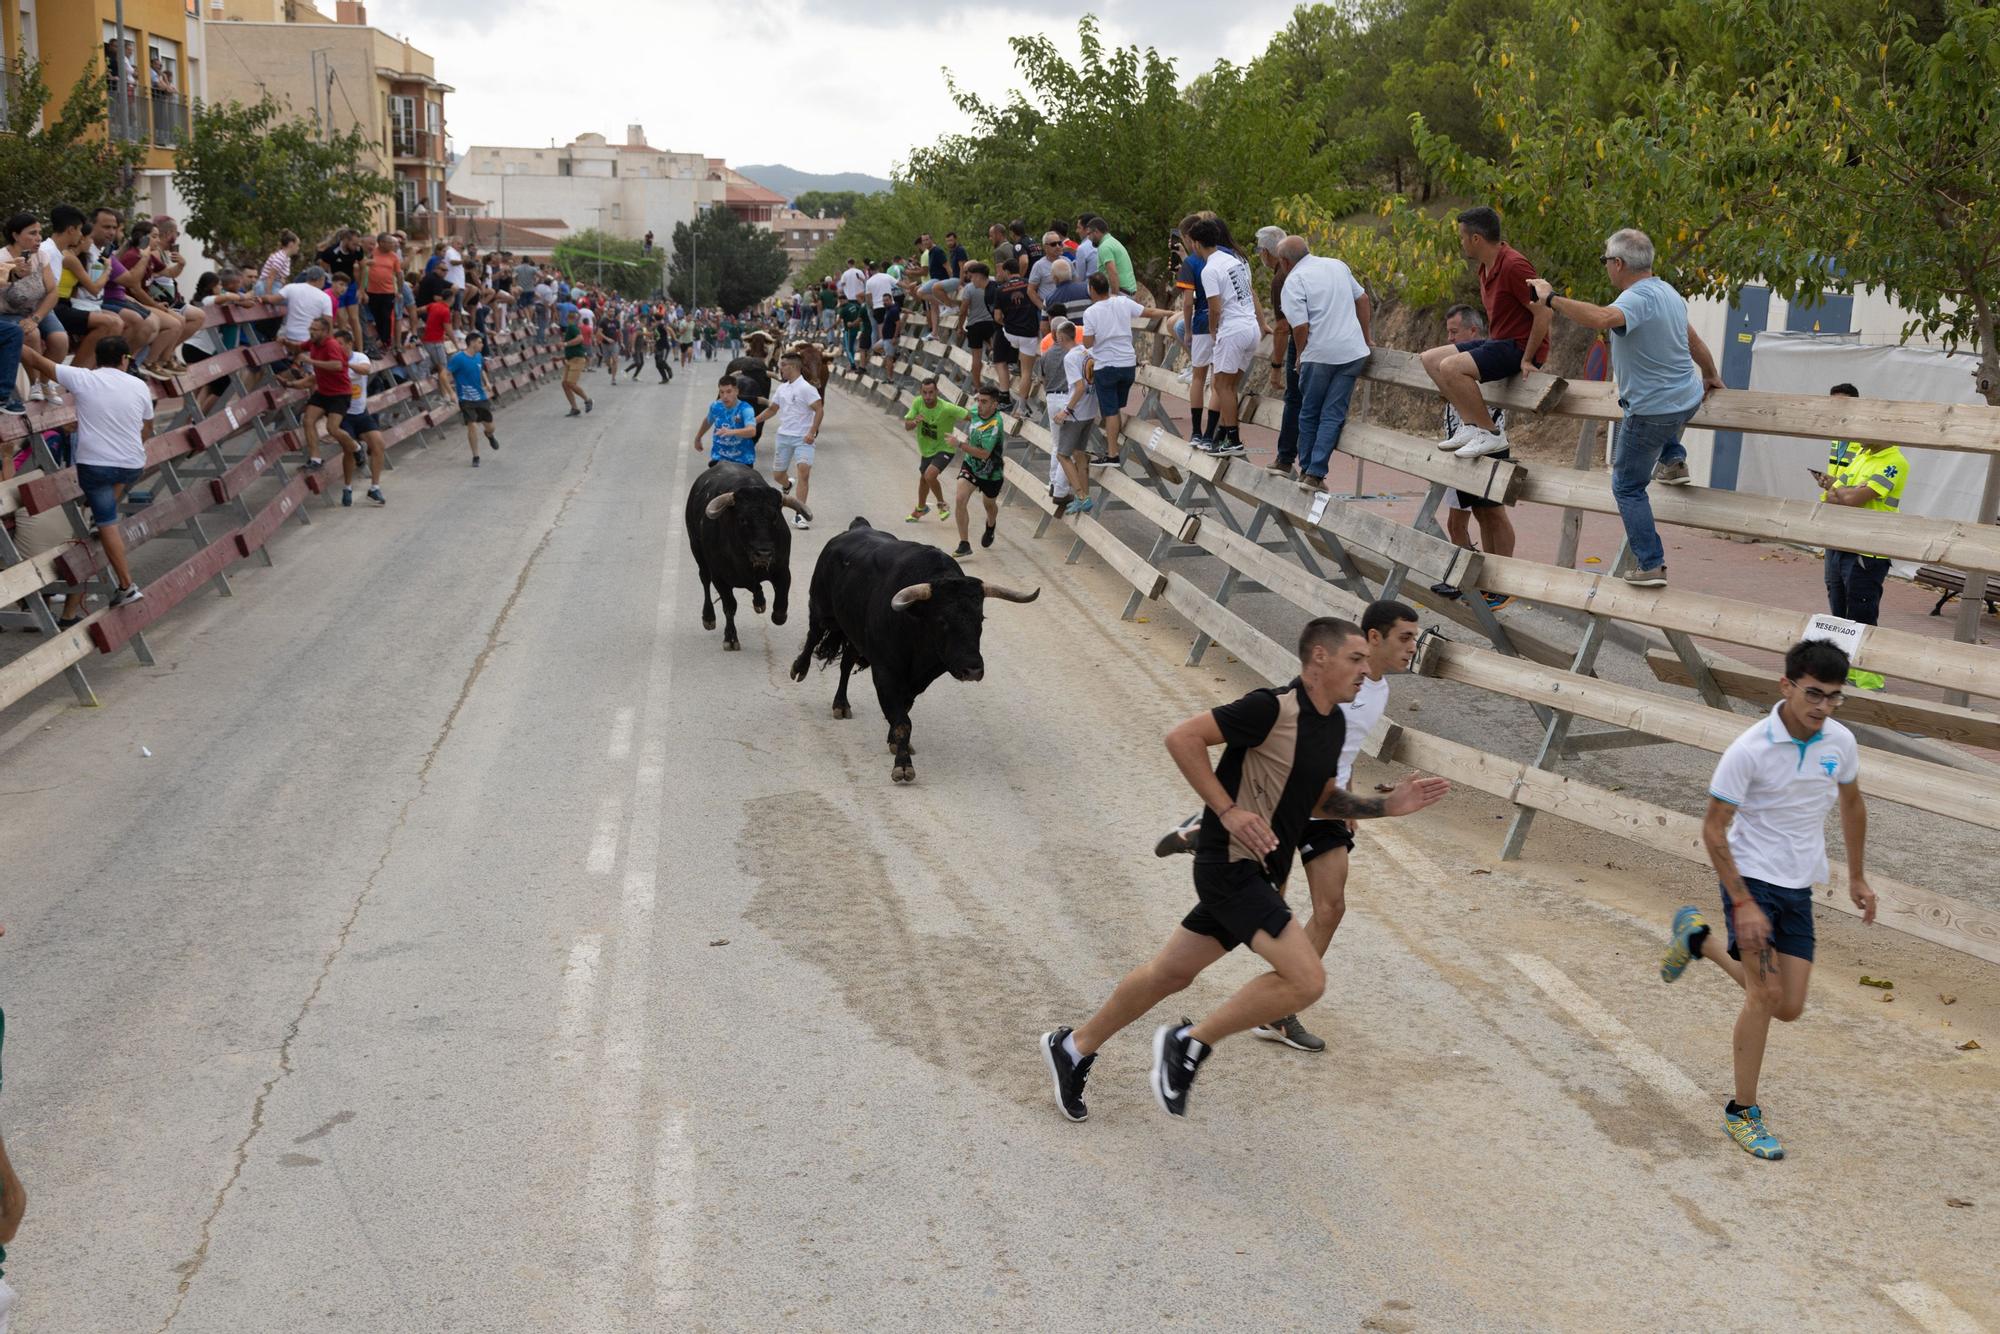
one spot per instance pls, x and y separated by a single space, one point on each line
599 211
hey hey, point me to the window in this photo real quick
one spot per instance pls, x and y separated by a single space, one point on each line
436 202
403 125
433 118
29 46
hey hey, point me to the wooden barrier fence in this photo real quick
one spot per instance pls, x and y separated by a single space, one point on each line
203 463
1325 558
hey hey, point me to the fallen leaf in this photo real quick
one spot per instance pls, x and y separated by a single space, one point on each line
1482 872
1592 560
1145 620
1946 1000
1887 997
714 943
1414 708
1970 1044
1958 1204
1881 982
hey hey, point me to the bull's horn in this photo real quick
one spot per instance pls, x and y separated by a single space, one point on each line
914 593
794 503
1006 594
719 504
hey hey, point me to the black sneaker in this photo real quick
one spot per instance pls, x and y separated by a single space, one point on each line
1098 460
588 405
1180 838
986 538
1230 447
375 494
574 412
963 550
1291 1033
1199 440
1177 1058
1068 1075
493 443
134 593
347 497
475 460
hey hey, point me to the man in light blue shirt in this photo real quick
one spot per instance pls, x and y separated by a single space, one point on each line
1663 371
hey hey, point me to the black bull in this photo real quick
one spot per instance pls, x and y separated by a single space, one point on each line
902 610
736 527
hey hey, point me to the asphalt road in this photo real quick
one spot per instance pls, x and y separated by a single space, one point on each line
480 947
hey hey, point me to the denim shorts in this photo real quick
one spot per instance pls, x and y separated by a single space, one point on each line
1790 911
1113 385
792 449
100 489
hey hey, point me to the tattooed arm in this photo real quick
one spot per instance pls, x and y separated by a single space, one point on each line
1406 798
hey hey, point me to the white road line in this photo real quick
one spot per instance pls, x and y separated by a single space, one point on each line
1930 1308
1601 1024
604 846
621 735
579 990
672 1251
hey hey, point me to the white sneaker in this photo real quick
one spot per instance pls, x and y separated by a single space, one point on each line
1482 443
799 521
1457 438
35 392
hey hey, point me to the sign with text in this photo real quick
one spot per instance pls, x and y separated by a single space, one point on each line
1844 633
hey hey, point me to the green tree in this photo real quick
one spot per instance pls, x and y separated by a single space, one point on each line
736 264
250 171
62 159
829 203
610 262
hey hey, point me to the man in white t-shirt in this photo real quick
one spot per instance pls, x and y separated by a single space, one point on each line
852 282
1232 324
305 301
799 410
1765 832
1392 631
360 423
114 415
454 265
1330 318
1107 332
1072 404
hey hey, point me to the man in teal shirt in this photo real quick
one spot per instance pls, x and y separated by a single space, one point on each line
1112 256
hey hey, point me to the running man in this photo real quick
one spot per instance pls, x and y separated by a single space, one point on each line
332 390
1766 837
360 424
475 394
800 411
576 353
1392 631
735 425
981 470
933 420
1281 754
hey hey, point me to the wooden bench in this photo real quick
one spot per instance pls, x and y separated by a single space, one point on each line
1951 584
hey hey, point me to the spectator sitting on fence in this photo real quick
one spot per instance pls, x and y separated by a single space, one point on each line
1663 372
41 329
1329 315
23 283
1463 324
163 283
1870 477
277 269
79 305
142 263
139 327
1518 334
114 412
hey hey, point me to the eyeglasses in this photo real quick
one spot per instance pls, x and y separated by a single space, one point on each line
1833 699
1608 258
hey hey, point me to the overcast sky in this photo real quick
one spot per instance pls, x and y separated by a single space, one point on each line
829 85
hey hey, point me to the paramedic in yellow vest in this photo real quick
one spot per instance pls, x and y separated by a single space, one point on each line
1869 477
1839 451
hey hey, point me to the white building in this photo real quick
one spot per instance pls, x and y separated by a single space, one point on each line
625 189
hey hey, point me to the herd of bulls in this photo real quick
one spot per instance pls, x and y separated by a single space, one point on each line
901 610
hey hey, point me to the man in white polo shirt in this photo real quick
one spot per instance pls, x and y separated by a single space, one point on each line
1766 837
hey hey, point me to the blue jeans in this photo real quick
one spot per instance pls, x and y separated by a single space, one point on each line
11 339
1642 443
1324 389
1288 429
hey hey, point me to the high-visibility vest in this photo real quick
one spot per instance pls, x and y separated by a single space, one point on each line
1839 452
1880 468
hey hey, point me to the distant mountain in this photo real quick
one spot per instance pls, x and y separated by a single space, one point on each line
791 182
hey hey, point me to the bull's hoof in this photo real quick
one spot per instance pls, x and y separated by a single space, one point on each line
731 646
842 711
798 671
757 605
903 773
777 618
708 620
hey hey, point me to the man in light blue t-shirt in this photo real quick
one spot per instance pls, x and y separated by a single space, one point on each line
475 393
1663 370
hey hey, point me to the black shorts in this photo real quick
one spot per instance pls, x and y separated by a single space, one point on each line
1496 358
74 322
1324 836
358 424
1469 501
988 486
938 461
1237 902
475 410
982 334
1003 352
333 405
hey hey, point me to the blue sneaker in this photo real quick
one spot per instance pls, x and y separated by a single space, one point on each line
1688 922
1747 1129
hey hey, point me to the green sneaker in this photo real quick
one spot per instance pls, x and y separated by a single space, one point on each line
1747 1129
1688 923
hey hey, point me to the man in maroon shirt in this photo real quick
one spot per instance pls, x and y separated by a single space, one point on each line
1518 331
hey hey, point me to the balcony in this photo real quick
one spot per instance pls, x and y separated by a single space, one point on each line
416 146
141 116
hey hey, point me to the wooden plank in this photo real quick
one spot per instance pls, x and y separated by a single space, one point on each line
258 531
1937 662
115 626
1127 562
80 560
1496 479
210 369
10 490
45 662
1965 427
1962 545
1903 907
1434 558
1961 796
1251 646
31 575
245 471
1901 713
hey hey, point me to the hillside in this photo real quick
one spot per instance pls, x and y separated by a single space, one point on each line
791 182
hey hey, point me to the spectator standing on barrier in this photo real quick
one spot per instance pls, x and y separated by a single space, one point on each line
1111 257
978 324
1463 324
324 364
1042 273
384 271
933 420
1201 342
1663 371
829 307
437 328
1107 332
733 424
1068 299
1519 334
1285 368
1012 302
1060 338
361 426
277 268
983 438
1765 832
1232 316
1330 319
114 414
800 411
938 284
1071 416
574 355
343 254
475 394
1864 476
1084 257
1279 767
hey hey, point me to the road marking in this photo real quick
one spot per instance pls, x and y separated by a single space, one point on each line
604 847
1601 1024
621 735
1930 1308
579 989
672 1249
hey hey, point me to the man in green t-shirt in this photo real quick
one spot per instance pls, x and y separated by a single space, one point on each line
829 307
854 333
932 419
575 354
1112 257
985 434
